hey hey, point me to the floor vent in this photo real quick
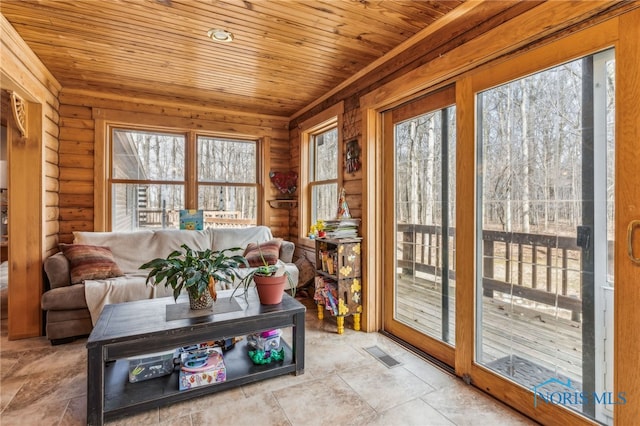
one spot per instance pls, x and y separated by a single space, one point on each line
383 357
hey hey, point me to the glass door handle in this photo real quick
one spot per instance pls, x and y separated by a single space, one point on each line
632 226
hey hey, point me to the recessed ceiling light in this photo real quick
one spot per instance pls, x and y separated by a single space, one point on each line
217 34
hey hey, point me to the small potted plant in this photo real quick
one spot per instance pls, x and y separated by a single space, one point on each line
270 281
196 272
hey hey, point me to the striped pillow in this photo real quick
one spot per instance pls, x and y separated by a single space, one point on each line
90 262
270 251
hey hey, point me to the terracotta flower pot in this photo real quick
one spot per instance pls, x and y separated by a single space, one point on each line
270 289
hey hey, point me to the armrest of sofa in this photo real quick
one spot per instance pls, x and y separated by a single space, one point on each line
57 269
286 251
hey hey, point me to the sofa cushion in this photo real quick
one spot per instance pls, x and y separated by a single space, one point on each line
165 241
57 270
69 323
224 238
132 249
129 248
64 298
87 262
269 250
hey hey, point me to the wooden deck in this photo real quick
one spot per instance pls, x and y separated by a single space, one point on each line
534 334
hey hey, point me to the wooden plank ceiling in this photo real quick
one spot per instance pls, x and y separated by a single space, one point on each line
285 54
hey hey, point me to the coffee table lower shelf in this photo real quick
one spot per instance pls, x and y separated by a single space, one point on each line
137 328
123 398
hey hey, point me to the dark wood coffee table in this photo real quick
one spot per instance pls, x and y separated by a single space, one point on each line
136 328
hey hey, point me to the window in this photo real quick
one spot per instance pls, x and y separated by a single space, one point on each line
227 176
323 173
151 180
320 176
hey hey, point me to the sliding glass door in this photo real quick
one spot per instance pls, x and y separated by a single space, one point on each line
421 188
544 287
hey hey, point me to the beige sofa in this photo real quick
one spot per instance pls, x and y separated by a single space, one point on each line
73 309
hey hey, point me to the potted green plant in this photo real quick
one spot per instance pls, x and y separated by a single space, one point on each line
196 272
270 281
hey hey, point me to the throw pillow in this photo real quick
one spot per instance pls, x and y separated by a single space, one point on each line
270 251
90 262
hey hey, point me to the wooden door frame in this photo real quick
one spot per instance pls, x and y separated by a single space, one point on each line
627 274
25 206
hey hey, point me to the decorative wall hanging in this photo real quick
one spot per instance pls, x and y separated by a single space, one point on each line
352 162
351 123
19 113
285 182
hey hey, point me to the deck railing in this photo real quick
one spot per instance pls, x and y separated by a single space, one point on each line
534 267
165 218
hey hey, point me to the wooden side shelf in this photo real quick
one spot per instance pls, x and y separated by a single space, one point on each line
338 285
283 204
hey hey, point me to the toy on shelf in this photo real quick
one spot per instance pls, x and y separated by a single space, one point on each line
264 347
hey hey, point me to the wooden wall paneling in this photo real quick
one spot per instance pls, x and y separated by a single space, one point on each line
76 173
627 274
76 187
125 102
51 199
51 214
51 130
68 146
51 184
67 228
51 228
76 160
76 135
75 200
139 116
70 113
76 214
51 158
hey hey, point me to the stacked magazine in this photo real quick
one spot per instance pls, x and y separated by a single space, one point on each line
341 228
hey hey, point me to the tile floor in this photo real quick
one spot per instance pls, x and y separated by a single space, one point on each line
343 384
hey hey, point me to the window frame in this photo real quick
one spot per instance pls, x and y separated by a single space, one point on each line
326 120
103 181
255 185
